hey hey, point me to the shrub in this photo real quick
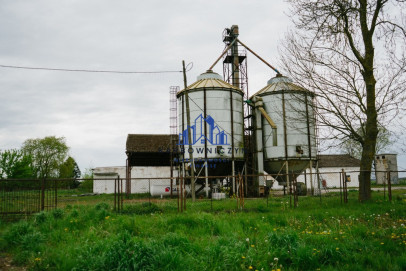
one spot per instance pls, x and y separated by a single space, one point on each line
140 209
57 213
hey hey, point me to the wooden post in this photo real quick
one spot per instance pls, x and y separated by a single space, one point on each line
190 149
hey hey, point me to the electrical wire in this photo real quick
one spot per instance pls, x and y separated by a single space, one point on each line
86 70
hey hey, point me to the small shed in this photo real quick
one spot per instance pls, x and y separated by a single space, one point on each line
150 149
383 163
330 166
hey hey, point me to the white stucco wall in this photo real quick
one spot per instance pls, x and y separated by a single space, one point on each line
332 176
104 178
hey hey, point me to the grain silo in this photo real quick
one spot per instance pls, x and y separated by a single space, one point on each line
216 125
284 129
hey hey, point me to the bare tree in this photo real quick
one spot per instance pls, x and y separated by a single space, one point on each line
351 53
384 141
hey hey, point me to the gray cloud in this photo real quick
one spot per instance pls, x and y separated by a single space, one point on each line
95 112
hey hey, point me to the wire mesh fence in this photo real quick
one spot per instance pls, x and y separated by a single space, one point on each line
213 194
24 197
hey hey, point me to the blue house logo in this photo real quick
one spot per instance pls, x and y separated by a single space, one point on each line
215 136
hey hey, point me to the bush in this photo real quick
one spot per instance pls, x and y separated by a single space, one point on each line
57 213
87 185
144 208
102 206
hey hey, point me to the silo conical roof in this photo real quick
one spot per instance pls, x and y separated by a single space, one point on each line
279 83
210 79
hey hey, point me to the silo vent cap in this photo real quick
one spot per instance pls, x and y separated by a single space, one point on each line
209 74
279 79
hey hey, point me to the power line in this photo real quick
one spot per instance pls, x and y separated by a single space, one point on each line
84 70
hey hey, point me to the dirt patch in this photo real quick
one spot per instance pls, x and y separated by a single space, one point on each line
6 263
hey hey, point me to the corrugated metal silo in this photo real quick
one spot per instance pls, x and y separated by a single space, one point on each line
288 138
216 121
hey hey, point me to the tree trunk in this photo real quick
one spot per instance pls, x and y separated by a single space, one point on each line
371 132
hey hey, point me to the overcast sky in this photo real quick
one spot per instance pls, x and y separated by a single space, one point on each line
96 111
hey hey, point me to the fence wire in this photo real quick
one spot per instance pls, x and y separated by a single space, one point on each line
213 194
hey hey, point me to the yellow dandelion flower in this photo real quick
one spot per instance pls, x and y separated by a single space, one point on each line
252 245
107 217
242 257
382 243
37 259
250 267
337 248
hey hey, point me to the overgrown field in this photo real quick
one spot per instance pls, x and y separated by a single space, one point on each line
150 236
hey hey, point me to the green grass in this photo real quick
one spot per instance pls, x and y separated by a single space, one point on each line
266 235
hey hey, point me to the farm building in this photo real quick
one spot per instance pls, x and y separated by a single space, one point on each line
148 157
386 162
330 166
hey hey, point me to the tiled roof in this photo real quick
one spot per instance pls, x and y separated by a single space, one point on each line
148 142
338 160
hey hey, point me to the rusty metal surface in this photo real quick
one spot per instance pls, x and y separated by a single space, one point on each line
25 197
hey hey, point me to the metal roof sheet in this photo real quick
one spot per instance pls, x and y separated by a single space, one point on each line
210 80
279 83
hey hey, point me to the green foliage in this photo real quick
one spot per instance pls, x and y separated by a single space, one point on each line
102 206
14 164
47 154
144 208
326 236
69 170
57 213
87 183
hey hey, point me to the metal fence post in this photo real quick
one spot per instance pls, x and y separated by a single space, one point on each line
185 194
341 187
389 187
56 193
122 194
43 194
115 194
211 194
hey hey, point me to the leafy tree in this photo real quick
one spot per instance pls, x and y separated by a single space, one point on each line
70 170
351 53
14 164
47 154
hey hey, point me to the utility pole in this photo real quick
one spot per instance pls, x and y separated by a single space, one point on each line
190 149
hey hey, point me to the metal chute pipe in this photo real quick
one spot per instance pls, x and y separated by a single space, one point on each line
260 58
222 54
259 104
